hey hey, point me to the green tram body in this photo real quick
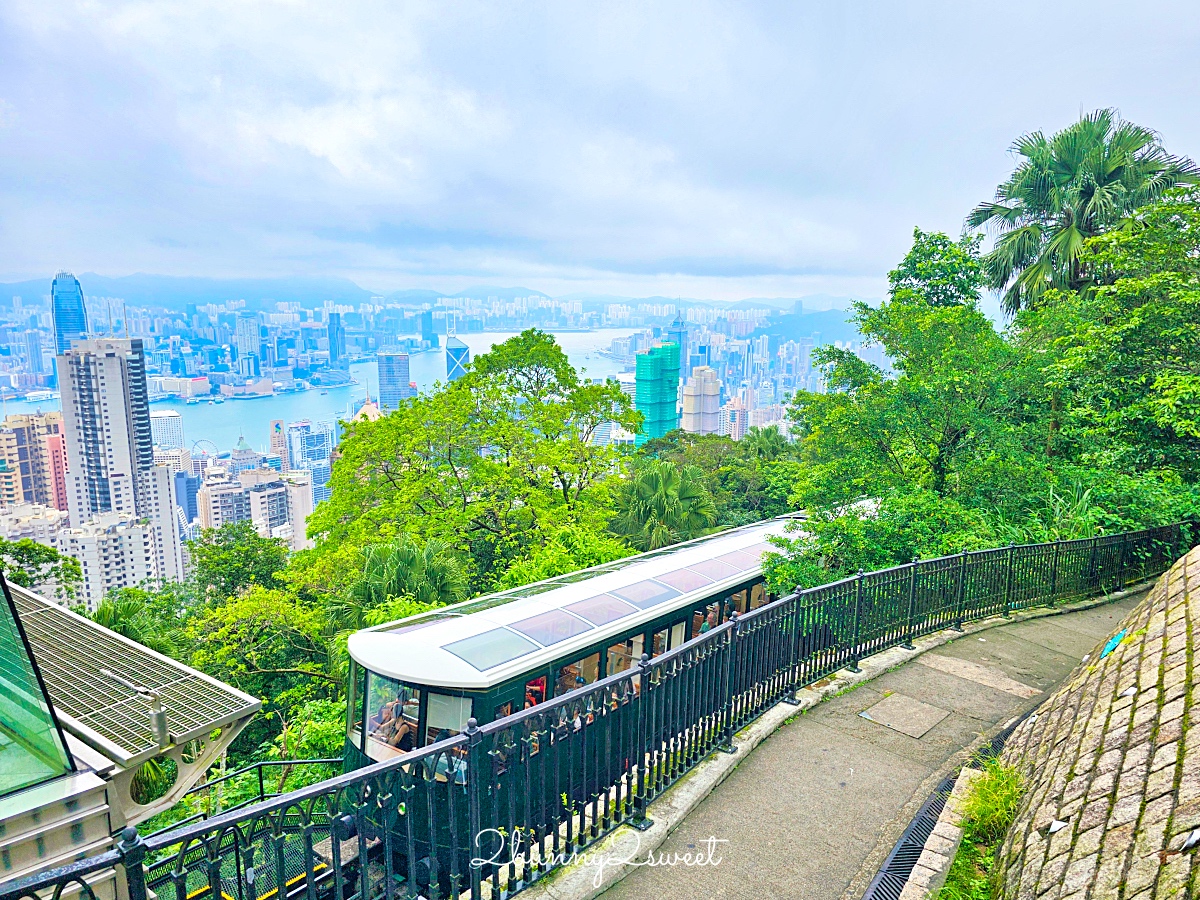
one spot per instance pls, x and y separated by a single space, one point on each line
575 779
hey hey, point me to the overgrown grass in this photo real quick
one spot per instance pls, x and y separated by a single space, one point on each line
989 807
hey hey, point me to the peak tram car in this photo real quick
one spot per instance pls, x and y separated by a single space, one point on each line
417 681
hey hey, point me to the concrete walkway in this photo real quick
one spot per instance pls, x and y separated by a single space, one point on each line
812 812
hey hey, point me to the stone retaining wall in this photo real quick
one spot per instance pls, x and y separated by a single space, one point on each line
1112 764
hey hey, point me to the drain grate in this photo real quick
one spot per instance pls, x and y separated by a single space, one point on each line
893 875
889 882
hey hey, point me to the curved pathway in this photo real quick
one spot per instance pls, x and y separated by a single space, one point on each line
812 812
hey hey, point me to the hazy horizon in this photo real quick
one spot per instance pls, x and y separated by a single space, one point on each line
717 151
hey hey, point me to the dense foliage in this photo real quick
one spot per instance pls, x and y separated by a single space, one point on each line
1079 418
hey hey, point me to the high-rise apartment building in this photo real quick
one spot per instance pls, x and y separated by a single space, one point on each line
656 396
33 352
114 550
166 429
70 314
310 447
32 464
395 384
277 505
247 340
735 419
110 448
336 333
458 357
702 402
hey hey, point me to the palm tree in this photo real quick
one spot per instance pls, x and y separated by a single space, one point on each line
403 568
125 611
663 505
1065 189
765 442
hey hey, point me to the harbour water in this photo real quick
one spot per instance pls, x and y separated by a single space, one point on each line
220 425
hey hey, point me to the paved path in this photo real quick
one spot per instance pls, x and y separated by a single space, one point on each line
812 812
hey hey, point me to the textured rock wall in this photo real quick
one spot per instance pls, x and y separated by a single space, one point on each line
1116 757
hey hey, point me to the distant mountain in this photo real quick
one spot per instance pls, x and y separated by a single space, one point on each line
174 292
414 297
484 291
832 325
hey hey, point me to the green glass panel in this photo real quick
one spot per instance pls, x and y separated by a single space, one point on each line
31 749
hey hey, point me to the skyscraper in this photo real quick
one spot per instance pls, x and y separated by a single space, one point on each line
337 341
246 339
677 333
70 314
279 443
33 351
428 335
310 446
458 357
657 391
702 402
110 447
394 380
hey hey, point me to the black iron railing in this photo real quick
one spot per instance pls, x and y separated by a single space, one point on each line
492 810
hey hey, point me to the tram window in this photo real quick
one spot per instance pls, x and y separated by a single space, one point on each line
447 717
392 712
706 618
504 709
659 644
758 596
577 674
535 691
739 602
620 657
677 634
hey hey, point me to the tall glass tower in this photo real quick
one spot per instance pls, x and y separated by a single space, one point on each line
70 315
394 384
458 357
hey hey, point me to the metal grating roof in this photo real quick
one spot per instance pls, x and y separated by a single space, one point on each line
71 651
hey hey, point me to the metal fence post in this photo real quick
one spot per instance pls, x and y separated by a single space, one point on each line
640 801
1091 572
1008 581
961 590
1121 562
475 770
133 851
912 603
726 745
858 590
1054 571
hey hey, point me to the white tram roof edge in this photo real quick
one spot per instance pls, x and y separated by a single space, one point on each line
480 643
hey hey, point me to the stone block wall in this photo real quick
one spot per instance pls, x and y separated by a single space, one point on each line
1116 757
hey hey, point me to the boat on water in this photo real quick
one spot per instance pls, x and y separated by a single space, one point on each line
323 393
192 401
40 396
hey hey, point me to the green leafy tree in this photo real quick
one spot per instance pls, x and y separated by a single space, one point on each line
938 271
227 561
1067 188
663 505
33 565
568 549
429 574
488 464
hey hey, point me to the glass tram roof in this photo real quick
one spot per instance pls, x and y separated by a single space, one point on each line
484 642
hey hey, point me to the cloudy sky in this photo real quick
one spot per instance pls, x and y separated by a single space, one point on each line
702 149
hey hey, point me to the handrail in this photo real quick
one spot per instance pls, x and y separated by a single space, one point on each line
551 779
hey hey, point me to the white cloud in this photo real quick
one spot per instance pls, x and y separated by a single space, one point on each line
753 147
